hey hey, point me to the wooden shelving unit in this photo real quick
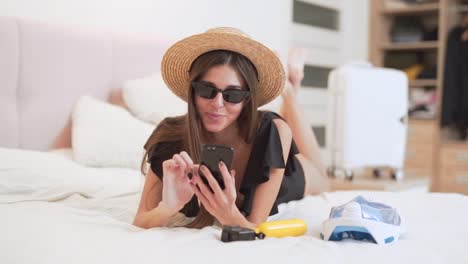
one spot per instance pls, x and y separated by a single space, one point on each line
412 9
429 155
423 45
414 120
423 82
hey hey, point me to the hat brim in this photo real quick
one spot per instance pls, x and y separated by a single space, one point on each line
179 57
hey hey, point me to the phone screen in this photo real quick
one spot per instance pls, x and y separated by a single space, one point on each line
211 156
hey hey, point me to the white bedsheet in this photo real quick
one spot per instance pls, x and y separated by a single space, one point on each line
52 210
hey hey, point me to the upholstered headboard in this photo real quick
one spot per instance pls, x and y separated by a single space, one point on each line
45 68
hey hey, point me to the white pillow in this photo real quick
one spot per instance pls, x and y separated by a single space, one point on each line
150 100
105 135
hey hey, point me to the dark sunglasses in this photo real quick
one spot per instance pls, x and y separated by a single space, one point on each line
230 95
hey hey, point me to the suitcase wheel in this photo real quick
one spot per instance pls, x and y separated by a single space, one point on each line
331 172
349 175
397 175
377 173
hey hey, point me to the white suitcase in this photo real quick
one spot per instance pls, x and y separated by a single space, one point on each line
367 119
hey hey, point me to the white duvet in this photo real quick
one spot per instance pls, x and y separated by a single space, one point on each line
53 210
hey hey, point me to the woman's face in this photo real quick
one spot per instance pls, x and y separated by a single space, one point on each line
217 114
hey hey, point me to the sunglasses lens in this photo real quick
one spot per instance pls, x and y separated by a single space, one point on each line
204 90
234 96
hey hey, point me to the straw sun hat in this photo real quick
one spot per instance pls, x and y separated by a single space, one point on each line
179 57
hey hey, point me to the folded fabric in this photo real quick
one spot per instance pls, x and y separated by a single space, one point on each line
361 219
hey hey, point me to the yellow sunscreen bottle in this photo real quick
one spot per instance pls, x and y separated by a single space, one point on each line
281 228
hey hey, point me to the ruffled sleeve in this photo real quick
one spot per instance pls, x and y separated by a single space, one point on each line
160 152
267 153
157 154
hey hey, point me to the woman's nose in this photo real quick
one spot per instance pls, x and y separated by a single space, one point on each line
218 101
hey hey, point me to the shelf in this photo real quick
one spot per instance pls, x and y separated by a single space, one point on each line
423 45
413 9
379 184
416 120
462 8
422 82
454 143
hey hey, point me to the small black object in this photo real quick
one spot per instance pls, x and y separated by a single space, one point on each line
377 173
237 233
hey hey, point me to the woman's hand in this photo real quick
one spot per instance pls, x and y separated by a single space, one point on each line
219 203
177 190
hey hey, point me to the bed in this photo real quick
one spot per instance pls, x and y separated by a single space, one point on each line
68 192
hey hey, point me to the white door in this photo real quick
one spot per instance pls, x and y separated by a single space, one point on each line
333 32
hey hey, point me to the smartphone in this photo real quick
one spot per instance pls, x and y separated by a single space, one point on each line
211 156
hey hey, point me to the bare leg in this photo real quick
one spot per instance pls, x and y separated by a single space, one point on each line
309 157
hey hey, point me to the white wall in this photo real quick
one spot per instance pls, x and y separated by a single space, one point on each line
355 24
265 20
269 21
332 48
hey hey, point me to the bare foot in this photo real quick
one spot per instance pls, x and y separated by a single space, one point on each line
296 61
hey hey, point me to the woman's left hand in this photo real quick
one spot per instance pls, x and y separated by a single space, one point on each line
219 203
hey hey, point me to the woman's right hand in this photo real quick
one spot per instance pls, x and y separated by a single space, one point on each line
177 190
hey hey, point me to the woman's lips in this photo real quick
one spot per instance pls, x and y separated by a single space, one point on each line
214 117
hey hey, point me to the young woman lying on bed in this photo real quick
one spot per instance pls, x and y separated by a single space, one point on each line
224 76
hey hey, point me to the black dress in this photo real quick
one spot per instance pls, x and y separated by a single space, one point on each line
266 153
455 93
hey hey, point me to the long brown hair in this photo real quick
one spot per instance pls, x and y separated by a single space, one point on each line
188 129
